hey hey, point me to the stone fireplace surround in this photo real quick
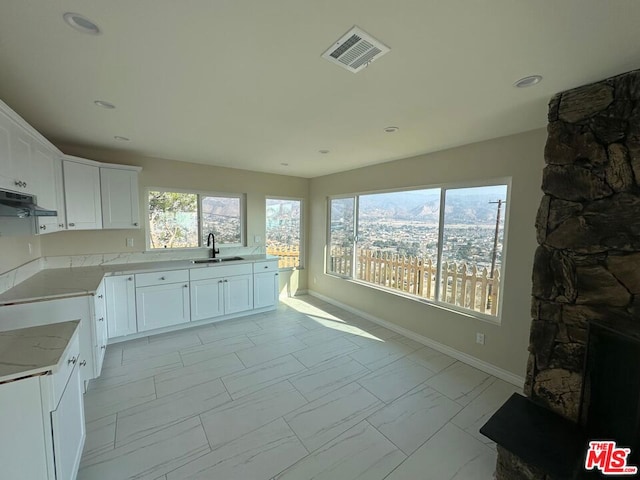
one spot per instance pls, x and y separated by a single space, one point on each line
587 265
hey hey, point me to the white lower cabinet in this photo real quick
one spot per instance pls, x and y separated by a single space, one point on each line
120 295
67 422
221 290
266 284
238 294
162 305
100 336
207 298
42 418
158 300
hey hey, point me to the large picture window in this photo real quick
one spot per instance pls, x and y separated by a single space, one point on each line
185 219
441 244
284 230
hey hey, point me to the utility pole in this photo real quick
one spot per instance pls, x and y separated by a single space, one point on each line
495 249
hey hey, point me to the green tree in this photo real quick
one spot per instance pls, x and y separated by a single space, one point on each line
173 219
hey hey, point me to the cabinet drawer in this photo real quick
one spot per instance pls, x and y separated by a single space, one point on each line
271 265
159 278
216 271
61 377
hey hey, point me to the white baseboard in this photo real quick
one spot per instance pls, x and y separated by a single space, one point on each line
486 367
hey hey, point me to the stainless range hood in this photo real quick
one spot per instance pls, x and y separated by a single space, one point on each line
20 205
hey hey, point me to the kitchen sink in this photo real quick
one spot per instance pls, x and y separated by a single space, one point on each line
217 260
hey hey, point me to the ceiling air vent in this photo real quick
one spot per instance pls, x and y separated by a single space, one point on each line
355 50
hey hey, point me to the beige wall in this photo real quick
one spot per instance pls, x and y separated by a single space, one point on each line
157 172
517 156
14 251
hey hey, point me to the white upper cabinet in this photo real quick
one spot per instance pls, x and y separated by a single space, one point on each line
82 196
6 165
20 164
15 152
120 201
47 180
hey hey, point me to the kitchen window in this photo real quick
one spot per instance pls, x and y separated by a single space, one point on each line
182 219
284 230
444 244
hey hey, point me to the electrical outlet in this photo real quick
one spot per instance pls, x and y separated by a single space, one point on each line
480 338
129 242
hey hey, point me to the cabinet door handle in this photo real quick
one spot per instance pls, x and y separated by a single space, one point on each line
101 319
61 225
276 275
266 266
100 296
135 224
162 278
226 281
130 279
103 347
72 224
186 286
43 227
83 363
219 281
72 360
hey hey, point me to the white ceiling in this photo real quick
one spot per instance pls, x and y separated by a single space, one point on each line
241 83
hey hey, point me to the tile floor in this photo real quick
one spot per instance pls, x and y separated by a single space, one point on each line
308 391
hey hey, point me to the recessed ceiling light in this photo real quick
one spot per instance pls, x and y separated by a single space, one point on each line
284 164
121 139
324 151
81 23
105 104
391 129
529 81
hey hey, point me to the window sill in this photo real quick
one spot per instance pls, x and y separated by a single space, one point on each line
425 301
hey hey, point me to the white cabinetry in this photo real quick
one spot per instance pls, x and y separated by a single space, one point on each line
82 196
20 164
100 328
42 420
238 294
120 298
47 181
221 290
6 163
120 201
266 288
25 453
162 299
207 298
67 422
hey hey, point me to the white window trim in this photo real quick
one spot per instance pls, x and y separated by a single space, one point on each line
301 261
497 319
200 193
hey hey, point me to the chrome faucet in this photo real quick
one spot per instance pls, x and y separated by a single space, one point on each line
211 242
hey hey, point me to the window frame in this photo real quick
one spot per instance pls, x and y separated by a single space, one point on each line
199 194
301 249
444 187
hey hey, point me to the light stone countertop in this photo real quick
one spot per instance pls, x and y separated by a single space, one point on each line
35 350
55 283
